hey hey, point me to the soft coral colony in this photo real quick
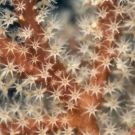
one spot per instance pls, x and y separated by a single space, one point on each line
55 84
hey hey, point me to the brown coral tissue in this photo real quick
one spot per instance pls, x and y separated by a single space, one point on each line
67 67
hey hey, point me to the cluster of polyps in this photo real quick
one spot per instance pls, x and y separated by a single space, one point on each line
48 86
